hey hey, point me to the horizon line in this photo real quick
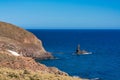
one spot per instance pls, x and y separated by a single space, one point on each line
76 29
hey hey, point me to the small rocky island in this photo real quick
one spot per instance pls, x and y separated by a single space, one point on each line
79 51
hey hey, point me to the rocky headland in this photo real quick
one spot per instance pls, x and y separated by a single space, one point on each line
21 41
18 49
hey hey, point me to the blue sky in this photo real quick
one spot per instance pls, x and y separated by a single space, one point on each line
61 14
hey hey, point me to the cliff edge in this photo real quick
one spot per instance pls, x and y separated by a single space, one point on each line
21 41
18 47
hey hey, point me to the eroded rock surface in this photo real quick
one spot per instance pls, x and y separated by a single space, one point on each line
21 41
25 63
18 47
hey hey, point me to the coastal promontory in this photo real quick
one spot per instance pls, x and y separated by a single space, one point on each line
21 41
18 49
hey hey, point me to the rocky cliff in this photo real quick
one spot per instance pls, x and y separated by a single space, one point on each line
18 47
25 63
21 41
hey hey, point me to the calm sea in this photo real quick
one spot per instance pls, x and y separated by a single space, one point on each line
103 63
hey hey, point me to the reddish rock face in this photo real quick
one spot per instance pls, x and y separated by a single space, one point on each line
21 41
25 63
27 46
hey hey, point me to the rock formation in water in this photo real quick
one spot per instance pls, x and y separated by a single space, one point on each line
21 41
79 51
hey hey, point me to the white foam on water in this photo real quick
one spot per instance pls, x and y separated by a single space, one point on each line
76 77
88 53
13 53
95 79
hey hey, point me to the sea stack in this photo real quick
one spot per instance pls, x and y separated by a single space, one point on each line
79 51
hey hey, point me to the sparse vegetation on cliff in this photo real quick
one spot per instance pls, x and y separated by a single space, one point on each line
13 62
14 40
10 74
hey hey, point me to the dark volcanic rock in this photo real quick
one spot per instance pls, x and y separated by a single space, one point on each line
21 41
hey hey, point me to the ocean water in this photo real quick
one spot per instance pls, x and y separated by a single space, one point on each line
103 63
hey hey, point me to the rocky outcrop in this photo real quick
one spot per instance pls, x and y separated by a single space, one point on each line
18 47
25 63
21 41
79 51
